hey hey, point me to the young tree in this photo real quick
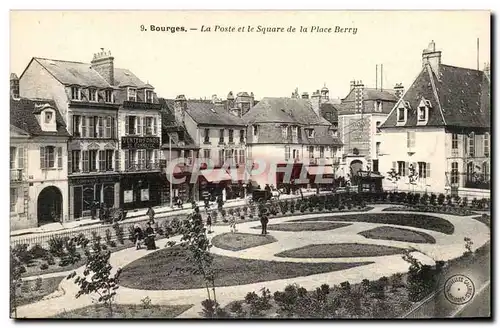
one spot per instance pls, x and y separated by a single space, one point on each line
412 176
16 269
97 276
394 176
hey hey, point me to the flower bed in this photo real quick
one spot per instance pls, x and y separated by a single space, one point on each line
398 234
459 211
240 241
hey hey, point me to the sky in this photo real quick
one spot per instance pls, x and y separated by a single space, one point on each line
200 64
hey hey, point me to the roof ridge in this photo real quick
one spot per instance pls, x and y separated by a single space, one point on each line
464 68
61 60
434 91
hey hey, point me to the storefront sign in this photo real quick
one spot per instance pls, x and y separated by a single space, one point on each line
96 179
140 142
144 195
128 196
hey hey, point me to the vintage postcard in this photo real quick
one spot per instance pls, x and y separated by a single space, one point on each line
250 164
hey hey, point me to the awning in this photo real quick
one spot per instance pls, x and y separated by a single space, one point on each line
317 170
215 175
239 174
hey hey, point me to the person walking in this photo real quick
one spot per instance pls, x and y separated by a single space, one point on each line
150 238
138 236
151 214
209 223
232 223
263 222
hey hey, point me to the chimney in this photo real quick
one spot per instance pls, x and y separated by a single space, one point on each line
316 102
103 64
218 103
230 100
487 71
325 94
305 95
14 86
180 107
399 90
358 96
351 85
432 57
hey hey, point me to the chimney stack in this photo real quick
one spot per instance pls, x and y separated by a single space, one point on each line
352 84
103 64
14 86
316 102
487 70
358 96
399 90
180 107
305 95
432 57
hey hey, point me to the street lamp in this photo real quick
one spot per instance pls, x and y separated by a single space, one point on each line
172 173
245 192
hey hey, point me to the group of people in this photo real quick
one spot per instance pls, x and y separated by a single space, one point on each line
146 237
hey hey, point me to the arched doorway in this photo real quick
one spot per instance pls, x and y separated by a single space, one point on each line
356 166
49 205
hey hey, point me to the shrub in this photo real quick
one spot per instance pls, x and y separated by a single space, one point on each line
397 281
131 233
38 252
365 285
237 309
50 260
21 252
378 289
146 302
71 256
345 287
441 199
211 309
44 266
107 235
56 246
292 207
424 199
433 199
38 283
119 233
449 200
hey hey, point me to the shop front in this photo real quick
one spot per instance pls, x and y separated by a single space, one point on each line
212 183
141 190
320 177
86 192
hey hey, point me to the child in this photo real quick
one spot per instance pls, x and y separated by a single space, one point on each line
209 223
232 223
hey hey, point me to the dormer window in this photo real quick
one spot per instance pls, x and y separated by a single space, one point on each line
423 111
131 94
93 94
310 133
284 132
255 130
48 120
108 96
48 117
401 114
149 96
75 93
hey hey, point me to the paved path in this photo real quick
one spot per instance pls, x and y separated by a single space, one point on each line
446 247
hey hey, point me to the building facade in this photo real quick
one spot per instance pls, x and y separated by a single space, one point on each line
38 165
438 135
289 132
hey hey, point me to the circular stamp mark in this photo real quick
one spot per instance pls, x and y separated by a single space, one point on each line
459 289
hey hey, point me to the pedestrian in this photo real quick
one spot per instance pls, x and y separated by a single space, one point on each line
209 223
151 214
232 223
150 238
263 222
138 236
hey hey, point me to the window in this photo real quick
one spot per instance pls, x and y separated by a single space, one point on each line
486 171
454 173
13 152
149 96
287 153
221 157
422 115
377 148
149 125
13 199
101 128
328 116
242 136
284 132
378 106
84 126
91 130
410 139
48 117
102 160
48 156
402 168
311 151
310 133
76 125
422 170
229 156
471 144
85 160
206 153
107 130
454 141
242 156
130 159
75 161
92 160
130 122
92 94
206 136
377 127
131 94
321 152
255 130
109 159
150 158
75 93
231 134
486 144
141 154
108 96
401 114
221 136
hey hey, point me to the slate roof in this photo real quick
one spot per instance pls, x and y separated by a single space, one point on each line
78 73
461 98
330 108
22 116
284 110
204 112
369 94
170 128
270 133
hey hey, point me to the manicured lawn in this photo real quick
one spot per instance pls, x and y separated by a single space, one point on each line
158 271
129 311
403 219
306 226
486 219
32 291
239 241
399 234
340 250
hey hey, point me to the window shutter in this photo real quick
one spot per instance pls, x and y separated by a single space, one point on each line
85 156
70 162
407 168
428 170
117 161
20 157
408 141
144 121
127 159
42 157
59 157
126 125
394 166
415 167
155 154
139 125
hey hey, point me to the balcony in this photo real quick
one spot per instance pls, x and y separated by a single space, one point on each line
141 167
16 175
141 105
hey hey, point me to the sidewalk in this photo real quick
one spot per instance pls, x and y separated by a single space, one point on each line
132 216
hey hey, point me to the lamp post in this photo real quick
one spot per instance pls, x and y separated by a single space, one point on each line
172 173
245 192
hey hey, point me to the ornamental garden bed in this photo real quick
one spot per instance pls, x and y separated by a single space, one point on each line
341 251
403 219
32 291
240 241
160 271
125 311
459 211
305 226
398 234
